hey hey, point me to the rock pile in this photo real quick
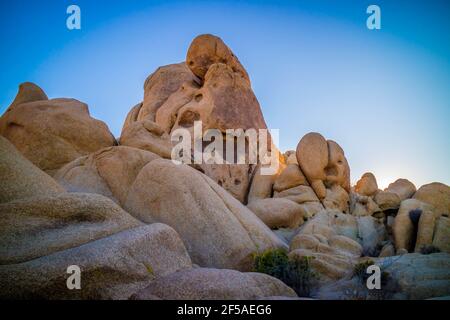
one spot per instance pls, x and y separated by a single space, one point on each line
140 226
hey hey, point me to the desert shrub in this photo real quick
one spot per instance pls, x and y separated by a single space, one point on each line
429 249
296 273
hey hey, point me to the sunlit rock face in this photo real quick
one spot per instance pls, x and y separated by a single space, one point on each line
51 133
212 87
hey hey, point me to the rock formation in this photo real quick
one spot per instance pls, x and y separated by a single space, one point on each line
140 226
51 133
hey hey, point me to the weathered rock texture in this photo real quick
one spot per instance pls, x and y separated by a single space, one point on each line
212 87
114 267
51 133
217 229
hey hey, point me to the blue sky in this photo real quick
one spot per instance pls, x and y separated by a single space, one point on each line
383 95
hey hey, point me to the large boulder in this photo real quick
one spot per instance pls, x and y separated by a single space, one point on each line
20 179
147 135
211 284
289 178
436 194
363 205
278 213
109 172
334 241
158 87
51 133
114 267
35 227
28 92
217 229
441 236
367 185
299 194
404 188
412 215
220 97
366 231
325 166
387 200
207 49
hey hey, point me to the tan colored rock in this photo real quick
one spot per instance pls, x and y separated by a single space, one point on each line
311 208
278 213
109 172
367 185
345 245
234 178
329 267
291 157
205 50
441 237
20 179
323 163
387 200
217 229
211 284
35 227
425 230
312 156
436 194
225 101
114 267
160 85
337 170
289 178
51 133
403 228
404 188
334 245
300 194
261 185
147 135
28 92
367 231
363 205
166 115
337 198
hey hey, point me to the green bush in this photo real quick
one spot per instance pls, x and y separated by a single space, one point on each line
295 273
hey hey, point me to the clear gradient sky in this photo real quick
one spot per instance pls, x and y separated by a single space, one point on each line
383 95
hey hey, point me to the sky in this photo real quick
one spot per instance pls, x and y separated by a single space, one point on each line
383 95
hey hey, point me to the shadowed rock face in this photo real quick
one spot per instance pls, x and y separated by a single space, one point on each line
51 133
206 50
